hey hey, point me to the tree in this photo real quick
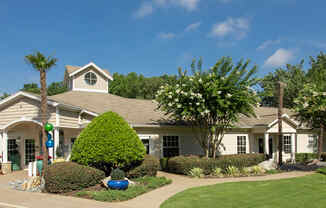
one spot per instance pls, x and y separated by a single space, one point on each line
56 88
32 87
4 96
211 101
293 76
311 110
42 64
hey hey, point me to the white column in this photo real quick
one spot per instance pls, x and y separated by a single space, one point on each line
56 140
1 146
5 147
293 146
266 143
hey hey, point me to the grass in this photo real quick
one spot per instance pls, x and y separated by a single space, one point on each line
308 191
142 186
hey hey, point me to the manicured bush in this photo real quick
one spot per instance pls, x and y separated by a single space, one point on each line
305 157
232 171
68 176
148 167
107 141
117 174
182 164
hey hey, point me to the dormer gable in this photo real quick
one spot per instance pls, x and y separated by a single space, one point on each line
90 78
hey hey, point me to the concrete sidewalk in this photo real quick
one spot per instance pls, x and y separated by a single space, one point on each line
153 199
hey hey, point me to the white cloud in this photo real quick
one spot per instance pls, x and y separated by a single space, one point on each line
193 26
145 9
268 43
167 35
189 5
279 58
238 27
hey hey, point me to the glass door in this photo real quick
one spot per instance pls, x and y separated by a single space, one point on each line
29 151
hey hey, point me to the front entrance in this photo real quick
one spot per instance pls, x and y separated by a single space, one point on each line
29 151
261 145
13 153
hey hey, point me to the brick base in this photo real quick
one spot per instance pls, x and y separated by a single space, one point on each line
6 168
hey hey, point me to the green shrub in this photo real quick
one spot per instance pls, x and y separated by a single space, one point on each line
257 170
246 171
148 167
196 172
107 141
182 164
117 174
217 172
232 171
69 176
304 157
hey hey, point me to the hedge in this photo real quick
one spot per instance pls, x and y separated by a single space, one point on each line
306 157
183 164
68 176
106 142
148 167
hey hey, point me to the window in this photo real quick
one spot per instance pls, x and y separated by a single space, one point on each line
241 141
287 144
170 146
313 142
90 78
146 145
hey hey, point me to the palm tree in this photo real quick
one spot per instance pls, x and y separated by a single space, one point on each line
42 64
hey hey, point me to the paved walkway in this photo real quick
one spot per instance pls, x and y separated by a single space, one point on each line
19 199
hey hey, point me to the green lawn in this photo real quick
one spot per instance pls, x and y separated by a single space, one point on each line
308 191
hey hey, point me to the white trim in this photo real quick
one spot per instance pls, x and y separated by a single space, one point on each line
21 120
89 90
25 94
88 65
283 116
89 112
4 147
57 116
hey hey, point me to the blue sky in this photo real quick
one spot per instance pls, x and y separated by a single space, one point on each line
154 37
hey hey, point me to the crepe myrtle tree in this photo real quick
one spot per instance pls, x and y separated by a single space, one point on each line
310 107
211 101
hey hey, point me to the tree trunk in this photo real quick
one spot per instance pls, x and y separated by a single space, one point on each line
44 118
320 141
280 135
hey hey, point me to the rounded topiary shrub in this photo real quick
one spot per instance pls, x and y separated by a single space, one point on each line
148 167
106 142
68 176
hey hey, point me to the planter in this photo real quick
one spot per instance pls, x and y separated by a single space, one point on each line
118 184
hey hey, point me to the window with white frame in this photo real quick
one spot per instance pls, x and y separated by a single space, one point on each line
170 146
90 78
241 144
313 142
287 144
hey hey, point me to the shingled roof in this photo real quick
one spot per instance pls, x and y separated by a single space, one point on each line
70 69
137 111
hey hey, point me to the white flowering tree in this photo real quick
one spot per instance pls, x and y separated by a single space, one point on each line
311 110
211 101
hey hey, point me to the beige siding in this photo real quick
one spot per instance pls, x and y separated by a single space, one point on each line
285 128
303 145
86 118
79 81
69 119
24 108
230 145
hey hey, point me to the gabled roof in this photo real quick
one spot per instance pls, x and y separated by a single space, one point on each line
72 70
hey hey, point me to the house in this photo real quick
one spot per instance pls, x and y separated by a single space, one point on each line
88 97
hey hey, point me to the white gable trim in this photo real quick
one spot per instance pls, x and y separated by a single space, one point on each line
93 65
89 90
25 94
287 118
21 120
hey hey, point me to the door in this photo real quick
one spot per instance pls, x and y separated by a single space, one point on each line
261 145
13 153
270 142
29 151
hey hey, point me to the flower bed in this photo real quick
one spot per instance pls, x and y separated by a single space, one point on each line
143 185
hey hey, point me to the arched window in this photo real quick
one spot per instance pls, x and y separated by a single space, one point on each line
90 78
